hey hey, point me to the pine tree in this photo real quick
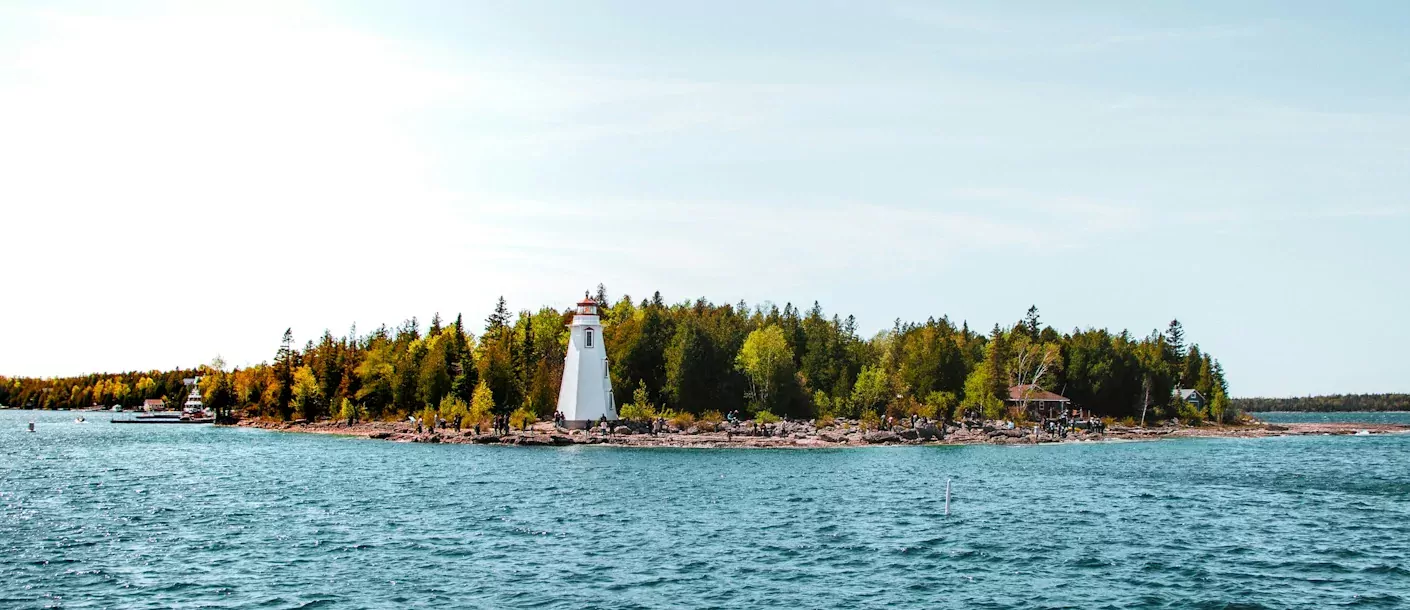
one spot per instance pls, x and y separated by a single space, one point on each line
1189 369
1030 322
494 325
284 373
1175 336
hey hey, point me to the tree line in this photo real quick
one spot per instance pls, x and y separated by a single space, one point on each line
694 357
1338 402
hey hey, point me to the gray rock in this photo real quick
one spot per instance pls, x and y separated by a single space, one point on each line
884 436
910 435
622 430
486 439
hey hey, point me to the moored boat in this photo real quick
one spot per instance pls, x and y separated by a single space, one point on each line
193 411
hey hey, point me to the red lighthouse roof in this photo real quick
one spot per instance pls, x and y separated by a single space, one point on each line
587 306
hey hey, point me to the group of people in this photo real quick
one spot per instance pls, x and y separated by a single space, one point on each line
501 424
1060 426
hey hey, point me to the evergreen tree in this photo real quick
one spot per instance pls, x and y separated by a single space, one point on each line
1030 322
284 373
1175 337
498 320
688 375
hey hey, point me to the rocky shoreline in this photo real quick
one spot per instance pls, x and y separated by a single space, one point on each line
805 435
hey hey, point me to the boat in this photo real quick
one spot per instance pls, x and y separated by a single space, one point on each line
193 411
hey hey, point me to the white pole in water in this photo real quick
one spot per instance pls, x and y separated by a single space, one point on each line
947 497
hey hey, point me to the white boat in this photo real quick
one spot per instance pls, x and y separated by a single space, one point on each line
193 408
193 411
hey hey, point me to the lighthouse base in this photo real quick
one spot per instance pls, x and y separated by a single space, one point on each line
583 424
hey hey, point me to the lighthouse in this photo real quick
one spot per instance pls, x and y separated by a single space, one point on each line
586 393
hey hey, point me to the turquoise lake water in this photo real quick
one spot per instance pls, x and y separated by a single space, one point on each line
1356 417
98 515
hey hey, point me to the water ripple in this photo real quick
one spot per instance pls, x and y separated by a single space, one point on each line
95 516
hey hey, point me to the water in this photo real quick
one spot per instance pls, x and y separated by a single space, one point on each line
99 515
1355 417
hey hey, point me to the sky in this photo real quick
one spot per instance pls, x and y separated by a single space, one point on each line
184 180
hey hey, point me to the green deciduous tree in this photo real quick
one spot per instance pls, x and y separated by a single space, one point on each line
872 391
307 398
482 405
767 361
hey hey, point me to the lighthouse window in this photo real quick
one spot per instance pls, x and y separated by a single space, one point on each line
589 337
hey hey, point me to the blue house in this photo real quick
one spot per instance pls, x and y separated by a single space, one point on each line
1191 396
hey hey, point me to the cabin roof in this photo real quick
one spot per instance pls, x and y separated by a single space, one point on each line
1031 392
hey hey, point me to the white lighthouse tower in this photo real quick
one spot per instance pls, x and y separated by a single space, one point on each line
586 393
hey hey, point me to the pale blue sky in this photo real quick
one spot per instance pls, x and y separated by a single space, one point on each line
1242 166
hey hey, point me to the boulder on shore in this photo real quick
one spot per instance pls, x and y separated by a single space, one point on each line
486 439
622 430
883 436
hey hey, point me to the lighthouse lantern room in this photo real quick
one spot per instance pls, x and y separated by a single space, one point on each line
586 393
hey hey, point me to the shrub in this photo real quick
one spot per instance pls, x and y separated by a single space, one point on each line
522 418
640 408
940 404
348 411
766 417
681 420
1190 414
454 411
1017 415
824 421
713 417
638 412
870 420
822 404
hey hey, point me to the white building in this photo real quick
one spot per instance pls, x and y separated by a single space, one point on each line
586 393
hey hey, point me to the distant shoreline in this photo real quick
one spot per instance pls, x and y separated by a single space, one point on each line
1335 403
